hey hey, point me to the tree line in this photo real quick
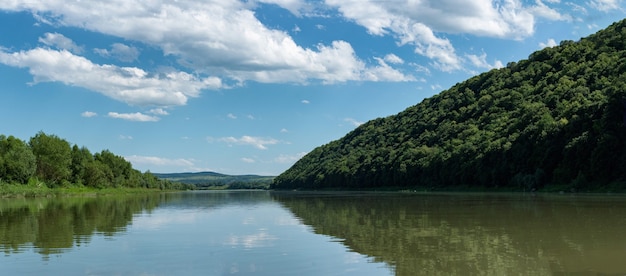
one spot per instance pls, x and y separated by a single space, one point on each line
53 161
556 119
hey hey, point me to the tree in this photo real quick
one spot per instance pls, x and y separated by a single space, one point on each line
81 157
120 168
54 157
17 162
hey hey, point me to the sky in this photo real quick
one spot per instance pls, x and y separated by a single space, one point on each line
249 87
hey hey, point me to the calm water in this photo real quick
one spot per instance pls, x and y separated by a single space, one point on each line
265 233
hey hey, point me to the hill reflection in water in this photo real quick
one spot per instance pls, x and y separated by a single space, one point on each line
455 234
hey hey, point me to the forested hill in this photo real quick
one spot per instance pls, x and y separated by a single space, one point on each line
213 180
557 118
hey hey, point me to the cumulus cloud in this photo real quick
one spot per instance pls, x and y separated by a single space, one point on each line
137 117
305 101
158 111
391 58
231 116
89 114
127 84
257 142
120 51
294 6
480 61
417 22
384 72
551 43
221 38
542 10
224 38
59 41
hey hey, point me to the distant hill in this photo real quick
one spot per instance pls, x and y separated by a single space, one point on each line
556 120
213 180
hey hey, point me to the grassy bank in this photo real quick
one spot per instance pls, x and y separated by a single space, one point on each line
8 190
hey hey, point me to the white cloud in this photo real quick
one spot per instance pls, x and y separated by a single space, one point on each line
248 160
138 117
61 42
420 23
125 137
231 116
551 43
158 111
120 51
283 130
384 72
89 114
286 159
305 102
294 6
391 58
257 142
420 68
250 117
481 61
542 10
605 5
159 161
353 122
127 84
218 38
577 8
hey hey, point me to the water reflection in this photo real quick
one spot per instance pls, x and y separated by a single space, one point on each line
263 233
196 233
473 234
52 226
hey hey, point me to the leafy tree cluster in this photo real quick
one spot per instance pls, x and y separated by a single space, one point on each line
54 161
556 118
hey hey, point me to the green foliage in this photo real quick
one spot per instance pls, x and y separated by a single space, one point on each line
17 162
557 118
49 159
54 157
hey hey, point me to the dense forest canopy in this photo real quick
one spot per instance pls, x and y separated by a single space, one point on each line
51 160
557 118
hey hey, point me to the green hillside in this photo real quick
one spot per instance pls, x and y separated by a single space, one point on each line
215 180
554 120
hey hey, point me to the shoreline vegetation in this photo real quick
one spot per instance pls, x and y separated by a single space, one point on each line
28 191
47 166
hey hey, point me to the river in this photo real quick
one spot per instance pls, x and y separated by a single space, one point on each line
314 233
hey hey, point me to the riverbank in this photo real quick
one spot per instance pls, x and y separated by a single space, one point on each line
23 191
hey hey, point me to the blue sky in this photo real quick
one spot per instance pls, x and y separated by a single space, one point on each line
242 87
